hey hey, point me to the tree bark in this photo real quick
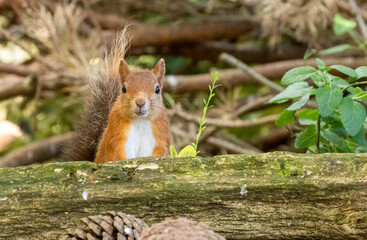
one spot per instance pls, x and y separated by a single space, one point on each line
289 196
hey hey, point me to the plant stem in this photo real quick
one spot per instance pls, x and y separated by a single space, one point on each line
206 107
353 84
318 134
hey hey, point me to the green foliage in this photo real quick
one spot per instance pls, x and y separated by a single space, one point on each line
192 150
336 49
55 116
297 75
307 138
285 118
353 115
339 123
341 26
346 70
328 100
294 90
188 151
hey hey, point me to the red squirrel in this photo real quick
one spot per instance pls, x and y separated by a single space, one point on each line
125 116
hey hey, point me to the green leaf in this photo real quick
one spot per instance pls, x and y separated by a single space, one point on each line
353 115
294 90
336 49
172 150
361 72
361 95
320 64
300 103
297 75
346 70
285 118
328 100
306 138
318 80
360 137
188 151
338 141
340 82
308 117
342 25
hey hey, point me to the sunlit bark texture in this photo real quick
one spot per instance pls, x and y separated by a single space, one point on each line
263 196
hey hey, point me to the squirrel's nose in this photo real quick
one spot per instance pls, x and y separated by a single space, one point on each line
140 102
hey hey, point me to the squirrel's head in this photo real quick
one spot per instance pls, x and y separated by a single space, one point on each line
141 91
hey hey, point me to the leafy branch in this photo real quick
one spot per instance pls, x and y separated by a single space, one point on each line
215 77
192 150
339 122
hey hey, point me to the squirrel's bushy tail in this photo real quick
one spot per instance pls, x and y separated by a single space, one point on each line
104 85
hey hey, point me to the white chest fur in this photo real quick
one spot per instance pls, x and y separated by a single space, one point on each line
141 142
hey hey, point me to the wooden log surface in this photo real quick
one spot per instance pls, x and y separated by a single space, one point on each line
289 196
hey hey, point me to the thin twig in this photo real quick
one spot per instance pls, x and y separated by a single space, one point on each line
260 101
217 142
227 123
318 134
243 66
37 96
242 143
228 145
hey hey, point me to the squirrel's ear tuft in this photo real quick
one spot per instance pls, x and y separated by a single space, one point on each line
159 70
123 70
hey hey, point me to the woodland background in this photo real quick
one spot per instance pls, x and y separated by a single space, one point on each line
46 44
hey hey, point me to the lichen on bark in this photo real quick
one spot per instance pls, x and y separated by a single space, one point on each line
288 195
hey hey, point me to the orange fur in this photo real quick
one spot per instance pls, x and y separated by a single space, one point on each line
161 135
140 86
110 147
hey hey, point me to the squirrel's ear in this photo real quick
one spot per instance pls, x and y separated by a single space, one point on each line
159 70
123 70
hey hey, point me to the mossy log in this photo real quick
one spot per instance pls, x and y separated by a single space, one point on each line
263 196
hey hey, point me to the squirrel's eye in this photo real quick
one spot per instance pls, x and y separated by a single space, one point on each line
157 89
123 89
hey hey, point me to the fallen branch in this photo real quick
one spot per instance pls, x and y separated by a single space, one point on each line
247 69
227 123
36 152
184 83
14 85
143 34
230 146
262 196
276 136
181 33
212 49
22 70
258 102
230 78
146 35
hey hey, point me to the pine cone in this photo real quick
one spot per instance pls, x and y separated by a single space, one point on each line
112 226
180 229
